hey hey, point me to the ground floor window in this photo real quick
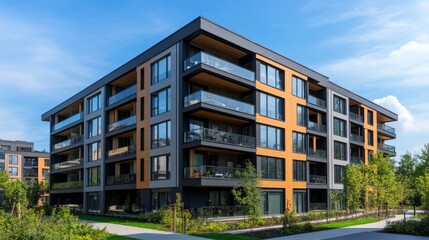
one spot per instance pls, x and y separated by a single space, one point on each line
160 199
93 202
299 201
273 202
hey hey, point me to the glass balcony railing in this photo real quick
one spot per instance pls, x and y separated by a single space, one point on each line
66 164
319 153
386 147
356 116
317 206
67 185
68 142
122 94
356 138
121 151
219 101
122 123
208 171
68 121
207 59
356 159
316 127
121 179
386 128
317 179
316 101
219 137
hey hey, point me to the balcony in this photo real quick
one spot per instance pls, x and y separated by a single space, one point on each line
317 179
212 61
122 95
316 101
316 127
121 151
208 171
68 142
356 117
218 211
121 179
122 123
318 153
386 128
67 164
317 206
30 174
356 159
219 101
387 148
356 138
219 137
67 185
68 121
30 164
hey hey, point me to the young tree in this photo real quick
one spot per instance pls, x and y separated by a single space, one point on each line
353 181
423 186
16 193
249 193
406 176
423 165
4 177
35 191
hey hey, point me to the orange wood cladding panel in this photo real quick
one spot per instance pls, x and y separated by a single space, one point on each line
367 127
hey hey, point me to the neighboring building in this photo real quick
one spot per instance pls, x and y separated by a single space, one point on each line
22 162
188 113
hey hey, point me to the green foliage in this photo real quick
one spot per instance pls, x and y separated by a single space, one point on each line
412 227
353 186
35 191
4 177
423 188
249 193
15 193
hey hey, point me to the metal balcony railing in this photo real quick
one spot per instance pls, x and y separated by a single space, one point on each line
317 206
122 123
67 164
121 151
316 101
219 137
356 116
386 147
386 128
317 179
356 138
68 142
319 153
356 159
316 127
121 179
209 171
122 94
68 121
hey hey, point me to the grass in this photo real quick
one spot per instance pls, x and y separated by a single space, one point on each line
348 223
124 222
117 237
224 236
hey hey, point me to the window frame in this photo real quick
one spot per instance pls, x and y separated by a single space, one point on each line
370 120
90 103
338 130
154 132
157 165
336 144
15 157
278 162
91 151
279 136
337 105
341 174
155 66
296 140
155 98
296 91
90 176
264 75
279 106
299 171
91 127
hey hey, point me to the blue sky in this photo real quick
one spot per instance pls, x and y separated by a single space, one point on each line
50 50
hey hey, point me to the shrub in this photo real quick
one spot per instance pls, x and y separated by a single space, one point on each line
412 227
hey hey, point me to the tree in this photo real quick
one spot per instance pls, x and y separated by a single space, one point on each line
35 191
406 177
16 193
423 183
423 165
353 181
249 193
4 177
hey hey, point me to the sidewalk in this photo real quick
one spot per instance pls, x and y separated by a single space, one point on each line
142 233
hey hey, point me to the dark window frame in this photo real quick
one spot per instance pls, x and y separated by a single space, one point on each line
155 78
301 93
156 142
265 160
154 109
279 106
155 175
299 171
279 79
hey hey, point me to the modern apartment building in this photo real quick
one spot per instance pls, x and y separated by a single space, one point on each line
22 162
188 113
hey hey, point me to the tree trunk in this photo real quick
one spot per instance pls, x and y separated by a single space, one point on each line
19 210
13 208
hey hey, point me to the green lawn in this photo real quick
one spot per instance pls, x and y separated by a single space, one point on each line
347 223
117 237
125 222
224 236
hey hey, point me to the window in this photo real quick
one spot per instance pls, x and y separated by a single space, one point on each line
160 167
45 173
271 106
23 149
298 142
339 105
160 199
142 169
142 139
94 103
301 115
13 171
13 159
340 150
340 127
142 79
5 147
161 134
299 171
273 202
161 69
271 76
94 151
142 108
299 201
370 152
94 176
161 102
271 168
47 163
299 88
271 137
370 138
338 174
94 127
370 117
93 201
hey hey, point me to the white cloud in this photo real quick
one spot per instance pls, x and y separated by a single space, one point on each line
405 118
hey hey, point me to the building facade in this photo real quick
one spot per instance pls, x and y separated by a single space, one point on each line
188 113
22 162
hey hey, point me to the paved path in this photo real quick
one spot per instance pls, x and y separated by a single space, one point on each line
141 233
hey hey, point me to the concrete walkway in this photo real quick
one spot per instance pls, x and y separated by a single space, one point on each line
141 233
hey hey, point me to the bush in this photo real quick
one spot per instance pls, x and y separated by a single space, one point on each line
412 227
298 228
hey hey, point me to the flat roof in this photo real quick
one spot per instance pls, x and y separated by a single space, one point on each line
199 24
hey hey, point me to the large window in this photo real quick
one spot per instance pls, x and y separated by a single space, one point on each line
161 69
94 176
340 127
94 151
299 88
271 76
142 169
47 162
301 115
161 102
271 106
340 150
94 103
370 138
271 137
94 127
13 171
299 171
161 134
299 201
160 199
298 142
160 169
339 105
370 117
271 168
13 159
93 200
338 173
273 202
